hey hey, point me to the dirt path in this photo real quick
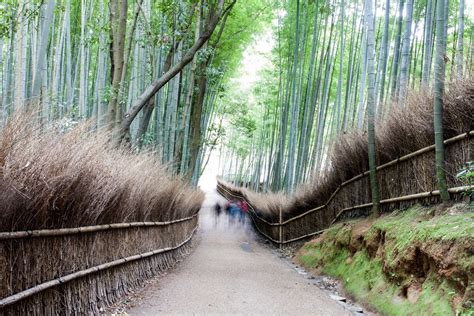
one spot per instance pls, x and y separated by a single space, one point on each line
231 273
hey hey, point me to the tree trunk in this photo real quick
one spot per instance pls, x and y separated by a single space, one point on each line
142 100
371 108
396 52
20 67
82 53
383 60
196 113
341 70
150 105
425 74
440 69
118 26
41 55
289 178
360 115
405 54
460 43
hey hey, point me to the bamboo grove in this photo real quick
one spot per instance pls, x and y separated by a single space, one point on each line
337 66
150 71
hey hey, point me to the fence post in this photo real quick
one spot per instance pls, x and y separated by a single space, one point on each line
281 230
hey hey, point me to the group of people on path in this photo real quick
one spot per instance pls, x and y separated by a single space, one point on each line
235 209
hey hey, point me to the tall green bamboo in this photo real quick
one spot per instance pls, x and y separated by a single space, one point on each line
369 13
460 40
405 53
428 46
396 53
438 89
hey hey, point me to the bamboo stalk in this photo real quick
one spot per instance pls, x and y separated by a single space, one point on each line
64 279
305 213
304 236
86 229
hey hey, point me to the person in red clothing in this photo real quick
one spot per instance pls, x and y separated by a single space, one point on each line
244 207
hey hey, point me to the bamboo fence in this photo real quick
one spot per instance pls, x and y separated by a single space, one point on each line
81 270
85 229
398 180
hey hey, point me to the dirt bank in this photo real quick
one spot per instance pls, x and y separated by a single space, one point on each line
409 262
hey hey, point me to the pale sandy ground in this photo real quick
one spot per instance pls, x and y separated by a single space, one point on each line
229 272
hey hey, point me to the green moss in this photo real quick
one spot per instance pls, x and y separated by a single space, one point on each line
332 232
343 236
311 259
364 277
416 224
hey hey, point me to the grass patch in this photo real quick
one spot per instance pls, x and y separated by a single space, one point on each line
416 224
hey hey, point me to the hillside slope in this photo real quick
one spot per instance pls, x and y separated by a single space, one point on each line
407 263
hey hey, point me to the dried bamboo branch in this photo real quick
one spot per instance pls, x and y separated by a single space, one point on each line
304 236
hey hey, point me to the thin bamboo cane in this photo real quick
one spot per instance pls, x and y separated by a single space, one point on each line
407 198
79 274
308 212
304 236
86 229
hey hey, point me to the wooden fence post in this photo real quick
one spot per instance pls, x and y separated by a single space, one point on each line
281 230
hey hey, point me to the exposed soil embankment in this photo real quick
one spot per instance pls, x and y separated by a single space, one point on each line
410 262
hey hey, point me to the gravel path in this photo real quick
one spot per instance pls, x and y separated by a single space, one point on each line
231 273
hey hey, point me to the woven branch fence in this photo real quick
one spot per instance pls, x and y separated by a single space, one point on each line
403 182
77 271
